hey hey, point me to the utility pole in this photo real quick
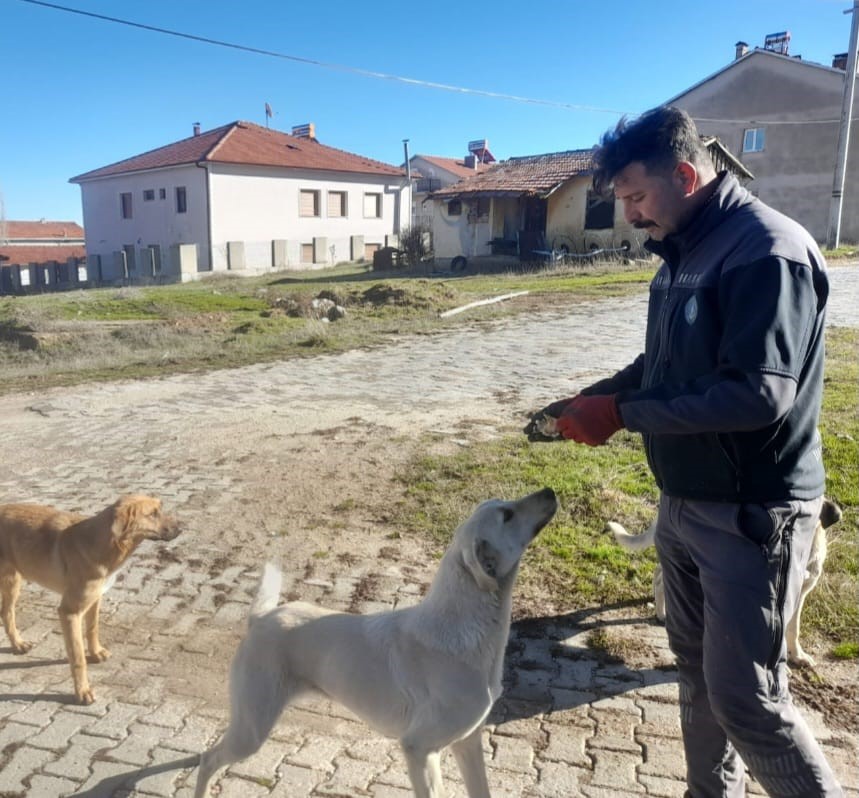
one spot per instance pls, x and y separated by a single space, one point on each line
833 236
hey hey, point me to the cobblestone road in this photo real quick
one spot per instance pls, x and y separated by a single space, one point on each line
567 725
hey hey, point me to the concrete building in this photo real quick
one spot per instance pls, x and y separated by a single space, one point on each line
781 115
238 198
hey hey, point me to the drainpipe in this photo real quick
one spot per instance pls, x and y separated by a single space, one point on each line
205 167
408 185
833 236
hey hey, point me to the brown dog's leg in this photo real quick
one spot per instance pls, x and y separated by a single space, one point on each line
10 587
70 621
96 652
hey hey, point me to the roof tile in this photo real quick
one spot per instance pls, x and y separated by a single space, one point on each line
530 174
249 144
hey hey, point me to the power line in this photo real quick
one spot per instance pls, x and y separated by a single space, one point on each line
327 65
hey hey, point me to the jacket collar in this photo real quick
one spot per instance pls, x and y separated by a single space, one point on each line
728 196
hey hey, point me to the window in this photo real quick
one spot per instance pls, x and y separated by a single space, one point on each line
454 208
148 194
125 205
308 203
162 193
337 203
307 253
753 139
370 250
181 200
372 206
599 212
482 207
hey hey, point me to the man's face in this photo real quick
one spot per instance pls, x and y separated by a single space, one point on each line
657 203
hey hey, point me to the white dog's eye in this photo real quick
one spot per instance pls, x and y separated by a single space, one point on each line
506 514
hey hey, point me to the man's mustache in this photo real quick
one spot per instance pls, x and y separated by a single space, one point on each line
643 225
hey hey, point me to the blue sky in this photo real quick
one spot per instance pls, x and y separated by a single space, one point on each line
80 93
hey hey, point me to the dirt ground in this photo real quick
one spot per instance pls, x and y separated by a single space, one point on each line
339 483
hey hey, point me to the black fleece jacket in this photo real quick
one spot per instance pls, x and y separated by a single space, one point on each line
727 392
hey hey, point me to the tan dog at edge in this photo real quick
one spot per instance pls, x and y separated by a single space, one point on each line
830 513
73 555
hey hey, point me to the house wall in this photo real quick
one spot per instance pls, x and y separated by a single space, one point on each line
152 222
464 234
795 170
565 222
258 205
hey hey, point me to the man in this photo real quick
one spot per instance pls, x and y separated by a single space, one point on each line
727 396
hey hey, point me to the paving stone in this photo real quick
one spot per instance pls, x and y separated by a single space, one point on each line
76 761
615 771
560 779
51 787
24 761
56 735
117 720
568 744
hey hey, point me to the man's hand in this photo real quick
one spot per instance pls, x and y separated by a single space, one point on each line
590 419
541 426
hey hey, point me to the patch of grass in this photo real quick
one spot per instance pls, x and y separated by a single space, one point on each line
575 564
65 338
846 651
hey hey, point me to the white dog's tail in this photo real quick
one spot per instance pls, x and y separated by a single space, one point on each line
633 542
268 593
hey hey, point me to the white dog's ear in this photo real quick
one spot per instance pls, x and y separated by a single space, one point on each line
482 560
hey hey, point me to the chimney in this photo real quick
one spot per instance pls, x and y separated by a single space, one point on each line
306 131
742 49
470 162
196 128
839 61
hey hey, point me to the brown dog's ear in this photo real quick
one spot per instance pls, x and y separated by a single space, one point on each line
830 513
482 561
128 512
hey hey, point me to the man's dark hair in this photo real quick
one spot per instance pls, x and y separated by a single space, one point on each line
660 139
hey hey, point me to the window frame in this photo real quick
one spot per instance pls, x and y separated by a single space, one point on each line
344 205
593 200
148 194
126 205
451 204
317 203
181 199
377 195
758 139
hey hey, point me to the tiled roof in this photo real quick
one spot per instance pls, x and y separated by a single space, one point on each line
53 231
455 166
25 255
536 175
250 144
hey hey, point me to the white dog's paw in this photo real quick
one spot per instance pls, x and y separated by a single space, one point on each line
799 659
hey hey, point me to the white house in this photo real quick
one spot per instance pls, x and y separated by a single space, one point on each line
432 172
241 198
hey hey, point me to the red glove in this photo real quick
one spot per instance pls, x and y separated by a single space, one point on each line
590 419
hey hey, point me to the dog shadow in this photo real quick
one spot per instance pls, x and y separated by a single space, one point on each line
19 663
546 698
126 781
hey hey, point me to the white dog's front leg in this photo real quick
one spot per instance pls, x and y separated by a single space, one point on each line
469 756
424 772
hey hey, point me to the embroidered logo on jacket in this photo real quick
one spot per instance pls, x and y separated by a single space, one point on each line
690 312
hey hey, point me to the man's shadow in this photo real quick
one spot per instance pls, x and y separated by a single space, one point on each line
511 707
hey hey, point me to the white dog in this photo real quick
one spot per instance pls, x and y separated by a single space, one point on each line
830 513
426 675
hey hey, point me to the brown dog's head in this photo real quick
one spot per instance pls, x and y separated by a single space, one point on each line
138 518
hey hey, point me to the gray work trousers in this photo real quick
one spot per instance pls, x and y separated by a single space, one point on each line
732 576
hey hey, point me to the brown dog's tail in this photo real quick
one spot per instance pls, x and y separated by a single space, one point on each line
268 593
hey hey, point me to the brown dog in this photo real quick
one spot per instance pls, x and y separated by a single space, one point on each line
73 555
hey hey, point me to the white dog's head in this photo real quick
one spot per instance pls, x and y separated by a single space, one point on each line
494 538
